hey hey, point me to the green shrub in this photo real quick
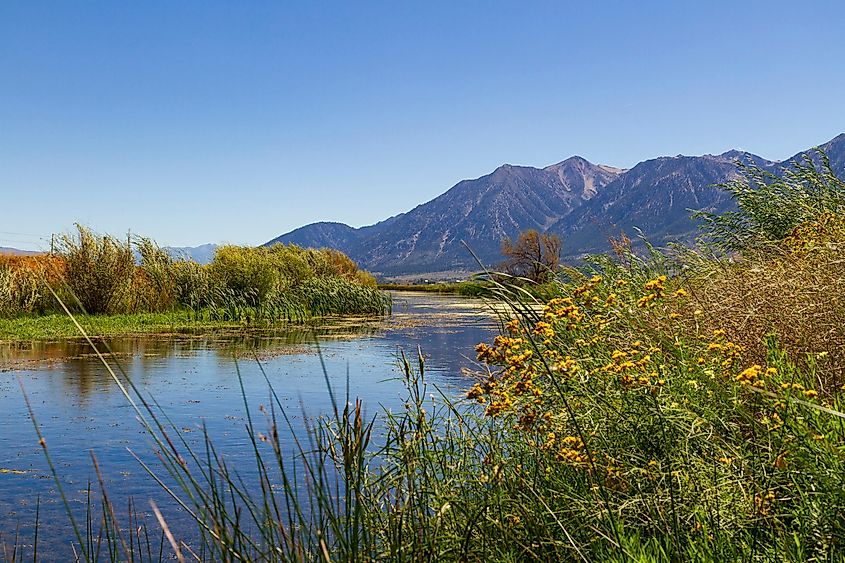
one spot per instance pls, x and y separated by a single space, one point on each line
154 284
771 206
249 273
337 296
99 269
291 263
193 284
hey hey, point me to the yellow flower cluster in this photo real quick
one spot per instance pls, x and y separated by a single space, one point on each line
544 330
569 449
503 392
764 501
588 287
560 363
726 351
751 376
504 349
498 407
563 308
809 393
655 290
631 365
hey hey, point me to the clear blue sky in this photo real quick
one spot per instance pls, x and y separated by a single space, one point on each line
206 121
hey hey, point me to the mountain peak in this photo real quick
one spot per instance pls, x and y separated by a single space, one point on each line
574 160
838 140
733 154
584 202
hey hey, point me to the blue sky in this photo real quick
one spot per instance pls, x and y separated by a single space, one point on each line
203 121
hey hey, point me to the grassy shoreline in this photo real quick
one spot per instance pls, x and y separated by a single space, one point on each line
61 327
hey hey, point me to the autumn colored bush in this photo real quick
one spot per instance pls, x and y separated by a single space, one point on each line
25 283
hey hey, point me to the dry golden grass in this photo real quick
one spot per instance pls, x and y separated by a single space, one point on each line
41 266
795 294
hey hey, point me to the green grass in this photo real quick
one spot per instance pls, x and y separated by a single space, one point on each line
58 326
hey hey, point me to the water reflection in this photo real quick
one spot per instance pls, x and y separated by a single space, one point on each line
194 378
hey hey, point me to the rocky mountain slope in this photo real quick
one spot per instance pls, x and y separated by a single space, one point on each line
654 197
585 203
480 212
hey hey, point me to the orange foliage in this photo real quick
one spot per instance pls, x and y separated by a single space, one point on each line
52 268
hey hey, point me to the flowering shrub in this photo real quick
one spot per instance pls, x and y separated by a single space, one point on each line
637 414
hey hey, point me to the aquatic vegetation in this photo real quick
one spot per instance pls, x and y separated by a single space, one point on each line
102 275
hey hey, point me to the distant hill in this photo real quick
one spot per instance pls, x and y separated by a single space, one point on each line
17 252
584 202
202 254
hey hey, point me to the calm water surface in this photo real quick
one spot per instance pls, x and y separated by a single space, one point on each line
80 409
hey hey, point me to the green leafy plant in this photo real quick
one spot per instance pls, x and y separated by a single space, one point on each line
99 269
772 205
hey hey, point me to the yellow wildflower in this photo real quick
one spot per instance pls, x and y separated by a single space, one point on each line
476 392
544 329
750 376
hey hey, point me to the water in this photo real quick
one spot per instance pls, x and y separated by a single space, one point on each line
81 411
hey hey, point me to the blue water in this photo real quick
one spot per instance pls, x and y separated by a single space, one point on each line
81 411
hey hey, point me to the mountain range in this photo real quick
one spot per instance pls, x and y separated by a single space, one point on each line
202 254
584 203
17 251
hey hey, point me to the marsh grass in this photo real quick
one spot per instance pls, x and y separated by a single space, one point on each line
102 276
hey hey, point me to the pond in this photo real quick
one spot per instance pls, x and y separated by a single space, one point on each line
81 411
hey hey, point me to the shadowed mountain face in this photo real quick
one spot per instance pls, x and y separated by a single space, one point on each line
655 197
835 150
584 202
